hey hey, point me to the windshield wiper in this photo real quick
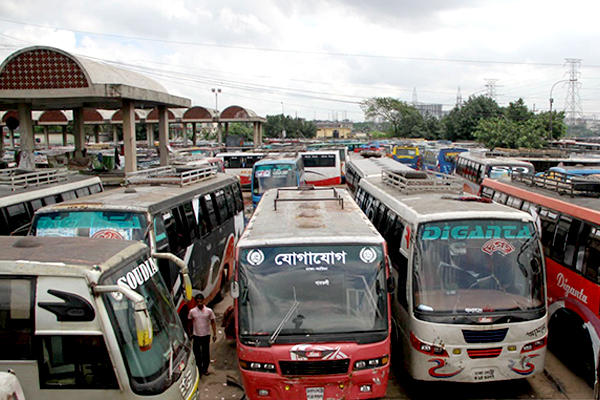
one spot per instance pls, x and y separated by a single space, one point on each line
287 316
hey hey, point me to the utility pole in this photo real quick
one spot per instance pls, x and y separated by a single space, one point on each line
491 88
459 101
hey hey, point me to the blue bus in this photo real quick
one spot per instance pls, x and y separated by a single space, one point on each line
408 154
441 159
276 170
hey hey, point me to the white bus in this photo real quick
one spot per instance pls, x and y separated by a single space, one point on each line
474 167
196 215
471 300
312 299
359 167
85 318
240 164
322 167
22 192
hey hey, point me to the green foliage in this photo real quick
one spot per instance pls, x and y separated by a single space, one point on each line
294 127
460 123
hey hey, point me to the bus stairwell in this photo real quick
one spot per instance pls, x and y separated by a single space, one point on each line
335 195
562 183
15 178
170 176
408 182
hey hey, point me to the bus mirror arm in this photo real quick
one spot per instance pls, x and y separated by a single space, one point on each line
143 323
183 269
391 285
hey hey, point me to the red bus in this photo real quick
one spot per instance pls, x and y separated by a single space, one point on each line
569 219
312 299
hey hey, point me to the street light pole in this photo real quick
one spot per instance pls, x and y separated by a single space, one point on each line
282 121
216 91
552 101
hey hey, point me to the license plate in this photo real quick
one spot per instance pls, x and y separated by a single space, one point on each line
484 374
315 393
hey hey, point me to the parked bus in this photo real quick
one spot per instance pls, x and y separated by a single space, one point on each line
311 299
322 167
569 214
360 167
475 167
240 164
471 297
408 155
441 159
85 318
276 170
340 148
22 192
196 215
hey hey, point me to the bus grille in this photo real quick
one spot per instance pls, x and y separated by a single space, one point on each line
491 336
300 368
484 353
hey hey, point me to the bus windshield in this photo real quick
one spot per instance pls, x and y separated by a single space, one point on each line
477 266
96 224
151 371
312 290
274 176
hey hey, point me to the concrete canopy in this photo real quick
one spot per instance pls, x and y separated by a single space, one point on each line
49 78
45 78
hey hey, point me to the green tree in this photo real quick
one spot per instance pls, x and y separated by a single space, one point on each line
404 119
517 111
294 127
461 122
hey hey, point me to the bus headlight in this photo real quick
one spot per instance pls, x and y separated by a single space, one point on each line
427 348
258 366
372 363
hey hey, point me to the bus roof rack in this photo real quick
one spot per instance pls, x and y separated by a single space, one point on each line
562 183
409 182
170 175
16 178
303 188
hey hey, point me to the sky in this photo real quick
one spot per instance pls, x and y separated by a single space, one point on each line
318 59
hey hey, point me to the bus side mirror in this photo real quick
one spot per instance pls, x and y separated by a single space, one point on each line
183 270
143 322
143 327
234 289
391 285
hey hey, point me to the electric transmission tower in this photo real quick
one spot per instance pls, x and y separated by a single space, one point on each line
459 101
573 101
491 88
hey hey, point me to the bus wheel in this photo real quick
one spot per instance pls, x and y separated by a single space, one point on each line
569 340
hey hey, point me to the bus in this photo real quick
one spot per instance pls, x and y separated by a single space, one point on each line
408 155
441 159
196 215
473 167
343 151
569 215
84 318
276 170
470 277
360 167
322 167
22 192
240 164
312 299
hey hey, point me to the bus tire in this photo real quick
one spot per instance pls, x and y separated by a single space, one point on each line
569 340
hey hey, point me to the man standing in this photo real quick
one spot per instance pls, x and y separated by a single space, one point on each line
200 317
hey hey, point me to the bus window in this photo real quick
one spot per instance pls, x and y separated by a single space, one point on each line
592 256
560 249
75 361
188 211
548 227
221 205
237 195
68 195
82 192
17 216
171 229
210 211
50 200
16 318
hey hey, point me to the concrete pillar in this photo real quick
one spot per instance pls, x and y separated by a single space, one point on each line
97 133
150 134
11 133
27 158
46 136
194 135
163 135
115 130
184 133
129 136
78 130
65 139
